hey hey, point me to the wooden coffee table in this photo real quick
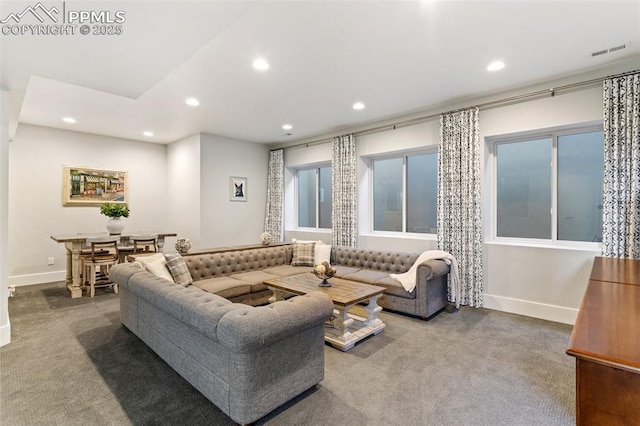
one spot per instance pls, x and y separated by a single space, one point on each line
345 329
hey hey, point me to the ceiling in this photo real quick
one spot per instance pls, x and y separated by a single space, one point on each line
396 57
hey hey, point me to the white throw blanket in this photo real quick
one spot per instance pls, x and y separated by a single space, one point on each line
408 279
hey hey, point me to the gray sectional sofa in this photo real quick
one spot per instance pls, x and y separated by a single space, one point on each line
222 348
246 360
239 275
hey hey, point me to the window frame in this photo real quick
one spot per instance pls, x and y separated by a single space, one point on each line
316 168
371 169
553 134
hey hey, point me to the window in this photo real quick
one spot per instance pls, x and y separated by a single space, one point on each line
550 187
405 193
314 197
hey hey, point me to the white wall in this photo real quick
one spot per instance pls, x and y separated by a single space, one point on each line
225 222
183 190
543 282
5 324
36 160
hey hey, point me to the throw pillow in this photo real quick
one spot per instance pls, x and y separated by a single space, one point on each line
303 254
156 257
159 269
322 254
318 242
179 269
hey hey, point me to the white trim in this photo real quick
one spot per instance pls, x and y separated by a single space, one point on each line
531 309
5 333
41 278
548 246
401 235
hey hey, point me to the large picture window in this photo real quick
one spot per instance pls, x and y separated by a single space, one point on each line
550 187
314 197
405 193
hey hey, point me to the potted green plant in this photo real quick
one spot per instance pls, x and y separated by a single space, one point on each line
115 212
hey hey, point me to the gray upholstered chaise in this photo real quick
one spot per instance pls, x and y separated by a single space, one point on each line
246 360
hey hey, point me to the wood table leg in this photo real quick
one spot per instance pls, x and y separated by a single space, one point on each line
75 288
373 309
277 295
341 337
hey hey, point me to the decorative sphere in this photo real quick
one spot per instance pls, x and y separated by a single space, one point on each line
266 238
324 271
183 245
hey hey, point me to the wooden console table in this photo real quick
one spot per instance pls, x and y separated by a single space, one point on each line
74 243
606 344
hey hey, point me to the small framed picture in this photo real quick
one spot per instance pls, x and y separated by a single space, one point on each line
238 188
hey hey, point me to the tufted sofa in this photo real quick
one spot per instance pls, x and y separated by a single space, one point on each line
246 360
239 275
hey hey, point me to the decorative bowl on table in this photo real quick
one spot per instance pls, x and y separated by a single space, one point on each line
324 271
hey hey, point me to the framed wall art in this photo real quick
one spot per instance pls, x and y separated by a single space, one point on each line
86 186
238 188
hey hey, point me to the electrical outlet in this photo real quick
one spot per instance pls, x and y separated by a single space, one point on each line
50 261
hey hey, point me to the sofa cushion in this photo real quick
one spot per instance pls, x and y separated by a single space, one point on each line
394 288
303 254
256 279
366 276
224 286
341 271
286 270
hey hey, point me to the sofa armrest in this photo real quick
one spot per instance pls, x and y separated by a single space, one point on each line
432 269
248 330
122 273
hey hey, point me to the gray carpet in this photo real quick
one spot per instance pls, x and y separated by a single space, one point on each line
70 362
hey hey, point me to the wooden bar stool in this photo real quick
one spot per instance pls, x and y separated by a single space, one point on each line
104 254
147 243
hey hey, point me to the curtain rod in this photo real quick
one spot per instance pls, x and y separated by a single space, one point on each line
552 91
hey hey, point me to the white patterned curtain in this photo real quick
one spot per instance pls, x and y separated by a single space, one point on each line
459 201
344 192
621 200
275 195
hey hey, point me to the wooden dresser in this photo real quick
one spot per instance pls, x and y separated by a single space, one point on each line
606 344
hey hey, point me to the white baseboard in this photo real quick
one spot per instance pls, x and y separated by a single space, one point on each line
42 278
5 334
531 309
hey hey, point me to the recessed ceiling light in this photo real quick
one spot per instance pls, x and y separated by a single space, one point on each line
70 120
148 133
495 66
260 64
192 102
358 105
287 126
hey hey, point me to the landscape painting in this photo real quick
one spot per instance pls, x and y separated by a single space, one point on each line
86 186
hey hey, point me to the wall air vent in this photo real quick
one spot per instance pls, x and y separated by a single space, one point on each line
609 50
613 49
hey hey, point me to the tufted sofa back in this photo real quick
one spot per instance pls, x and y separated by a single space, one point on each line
394 263
211 265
